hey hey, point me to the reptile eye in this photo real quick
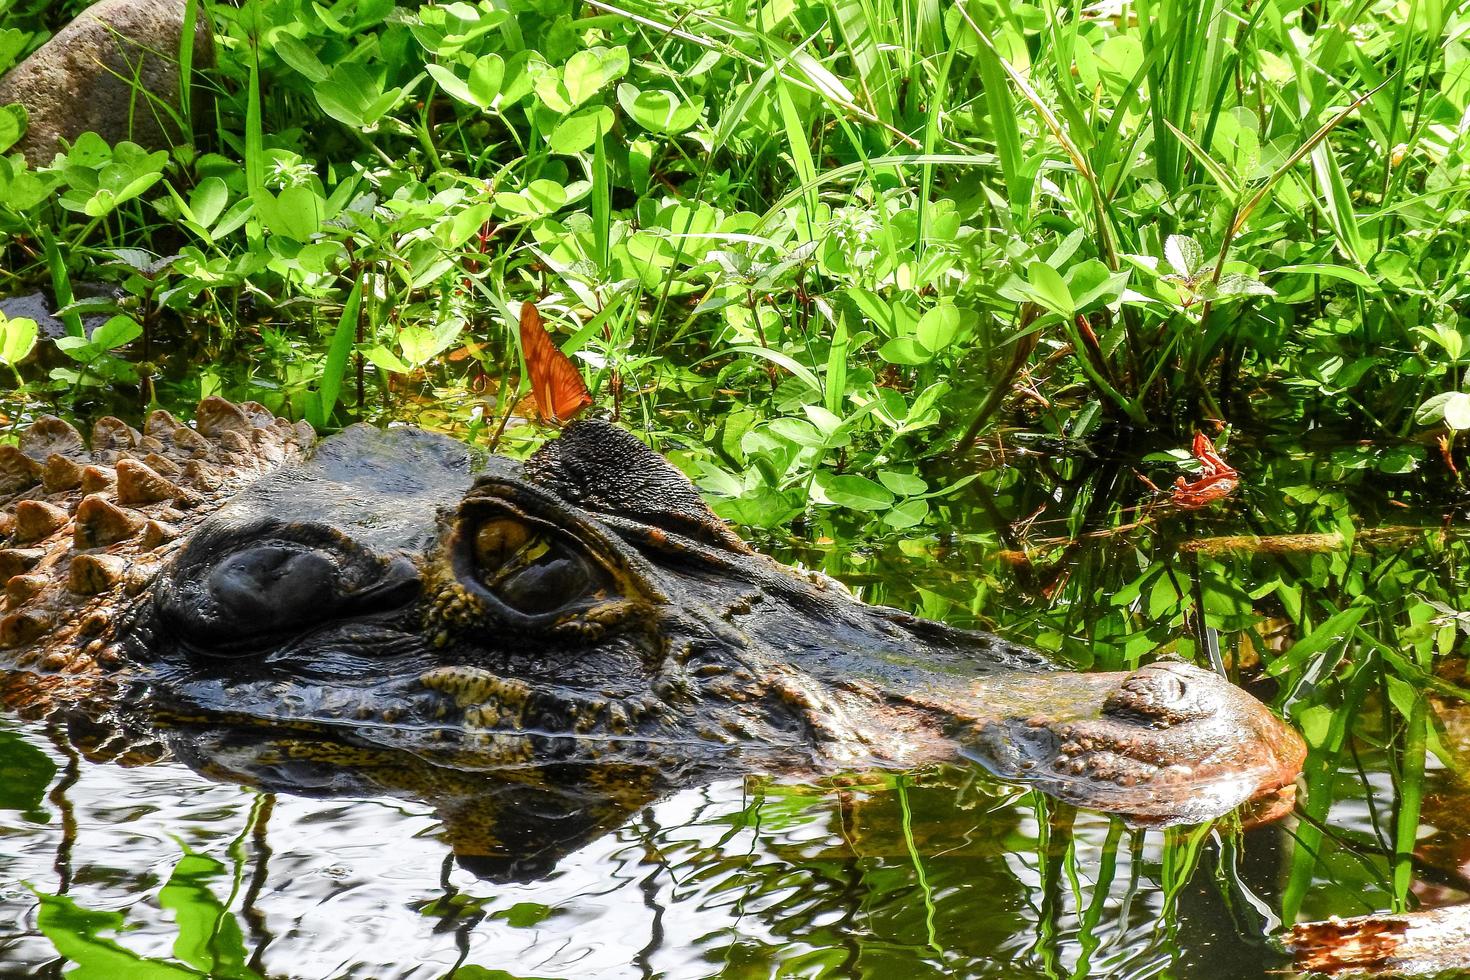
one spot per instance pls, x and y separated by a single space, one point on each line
531 572
545 587
498 541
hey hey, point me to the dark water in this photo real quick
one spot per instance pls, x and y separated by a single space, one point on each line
157 871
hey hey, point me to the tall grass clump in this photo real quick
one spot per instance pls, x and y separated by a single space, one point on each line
835 238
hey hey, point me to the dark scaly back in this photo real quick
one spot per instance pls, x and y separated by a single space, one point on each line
85 525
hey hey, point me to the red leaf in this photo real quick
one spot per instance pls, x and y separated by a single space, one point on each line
1216 480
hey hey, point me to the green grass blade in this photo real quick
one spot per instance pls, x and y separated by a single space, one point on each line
335 367
186 69
60 281
1311 142
254 134
601 204
1212 166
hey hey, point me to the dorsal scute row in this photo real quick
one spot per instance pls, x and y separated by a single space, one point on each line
84 523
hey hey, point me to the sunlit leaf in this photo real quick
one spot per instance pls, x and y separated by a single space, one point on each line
1047 285
1184 254
576 132
17 338
853 491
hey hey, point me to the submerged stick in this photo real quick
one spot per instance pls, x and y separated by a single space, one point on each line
1434 941
1316 543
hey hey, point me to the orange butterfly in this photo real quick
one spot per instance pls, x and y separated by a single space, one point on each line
561 394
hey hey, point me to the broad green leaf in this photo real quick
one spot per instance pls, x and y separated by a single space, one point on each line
825 421
853 491
764 507
576 132
486 76
13 41
659 111
296 212
1049 289
294 52
907 513
1457 412
582 77
329 17
799 431
1184 254
453 85
1450 407
116 332
350 95
466 224
538 198
208 200
137 186
100 204
421 344
903 484
1238 285
13 122
1400 459
89 150
17 338
385 360
905 350
939 327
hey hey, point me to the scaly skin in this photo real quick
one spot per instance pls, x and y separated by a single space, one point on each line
84 529
579 618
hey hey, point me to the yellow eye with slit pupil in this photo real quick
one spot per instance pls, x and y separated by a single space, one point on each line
525 567
497 542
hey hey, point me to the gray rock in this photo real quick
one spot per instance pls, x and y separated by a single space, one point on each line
82 79
38 306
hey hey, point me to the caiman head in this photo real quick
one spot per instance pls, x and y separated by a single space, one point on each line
583 611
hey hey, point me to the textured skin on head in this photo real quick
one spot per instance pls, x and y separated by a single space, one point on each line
85 528
606 469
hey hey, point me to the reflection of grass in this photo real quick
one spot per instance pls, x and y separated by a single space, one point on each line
1074 556
209 942
901 788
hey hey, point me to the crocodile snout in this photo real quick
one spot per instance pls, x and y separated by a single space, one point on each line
1167 743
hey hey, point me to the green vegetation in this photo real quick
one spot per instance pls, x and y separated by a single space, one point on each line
807 244
844 260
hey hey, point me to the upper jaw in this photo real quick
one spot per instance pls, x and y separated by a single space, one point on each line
1166 744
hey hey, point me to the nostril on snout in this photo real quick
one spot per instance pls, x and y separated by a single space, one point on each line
1161 695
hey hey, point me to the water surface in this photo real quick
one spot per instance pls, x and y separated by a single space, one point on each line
157 870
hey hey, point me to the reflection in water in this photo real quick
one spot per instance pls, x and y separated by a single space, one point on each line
394 868
937 873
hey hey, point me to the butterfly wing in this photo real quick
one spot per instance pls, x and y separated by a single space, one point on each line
556 383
